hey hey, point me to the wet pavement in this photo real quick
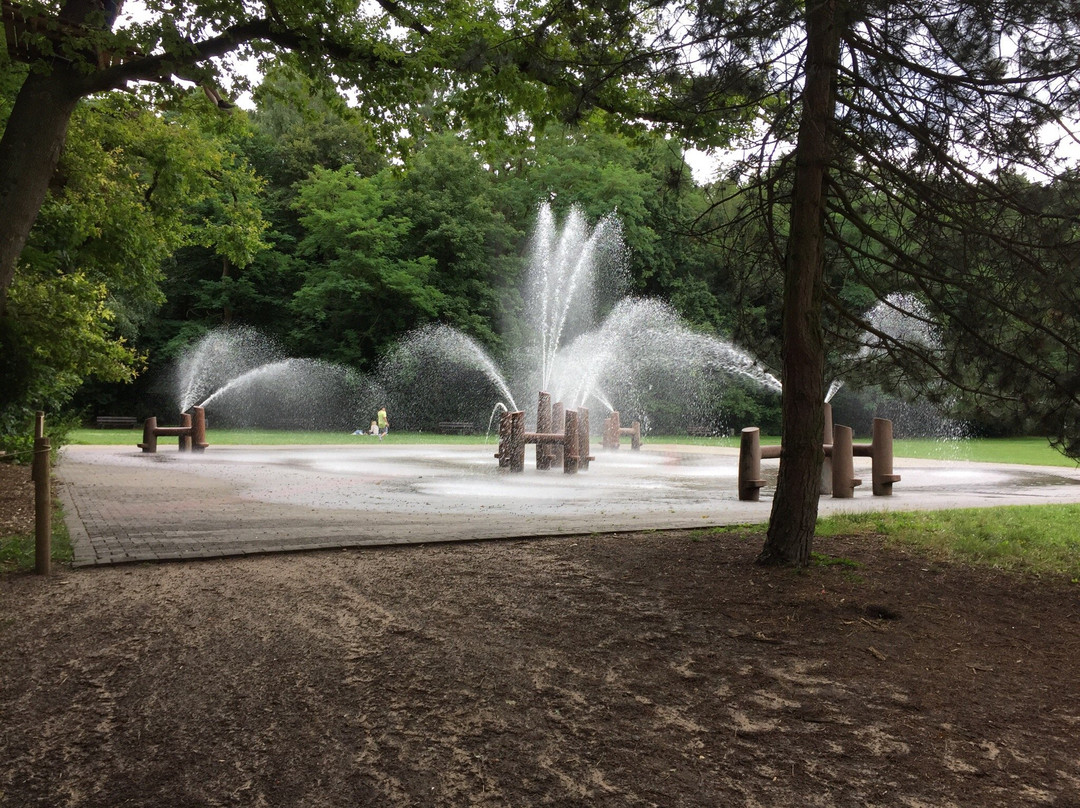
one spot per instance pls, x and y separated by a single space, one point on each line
125 506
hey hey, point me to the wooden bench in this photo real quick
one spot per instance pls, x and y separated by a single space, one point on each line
457 427
115 422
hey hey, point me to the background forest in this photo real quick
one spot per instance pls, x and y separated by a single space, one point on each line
294 219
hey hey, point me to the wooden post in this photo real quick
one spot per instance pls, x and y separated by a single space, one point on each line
611 431
881 459
570 443
198 429
149 435
40 474
503 455
544 452
635 436
517 441
557 419
826 442
583 439
844 481
185 438
750 482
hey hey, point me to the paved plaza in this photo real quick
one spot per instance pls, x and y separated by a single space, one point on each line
125 506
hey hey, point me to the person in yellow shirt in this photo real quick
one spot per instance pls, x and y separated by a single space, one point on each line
383 422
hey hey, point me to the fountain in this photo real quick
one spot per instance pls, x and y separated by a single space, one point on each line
638 350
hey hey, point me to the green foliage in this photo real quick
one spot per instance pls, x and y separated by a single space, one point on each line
359 288
131 188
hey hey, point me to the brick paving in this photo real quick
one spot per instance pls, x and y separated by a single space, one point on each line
122 506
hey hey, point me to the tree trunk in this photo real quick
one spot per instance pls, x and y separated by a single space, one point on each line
795 506
29 152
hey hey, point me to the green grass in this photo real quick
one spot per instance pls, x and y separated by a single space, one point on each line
1029 451
1033 538
1032 451
271 437
17 551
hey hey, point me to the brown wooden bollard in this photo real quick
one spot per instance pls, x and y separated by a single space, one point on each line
881 459
544 452
184 438
583 439
149 444
750 482
503 455
826 442
40 473
844 481
635 436
611 431
558 419
570 442
198 429
517 441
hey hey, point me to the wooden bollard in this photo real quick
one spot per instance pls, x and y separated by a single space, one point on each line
185 437
881 459
844 481
503 455
750 482
544 452
517 441
570 443
558 418
198 429
149 435
635 436
583 439
40 474
826 442
611 431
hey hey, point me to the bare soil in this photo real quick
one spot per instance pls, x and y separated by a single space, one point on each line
617 670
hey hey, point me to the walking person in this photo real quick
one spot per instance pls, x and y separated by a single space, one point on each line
383 422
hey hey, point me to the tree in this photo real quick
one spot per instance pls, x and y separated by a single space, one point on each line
122 200
932 101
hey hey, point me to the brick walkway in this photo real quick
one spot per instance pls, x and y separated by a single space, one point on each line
122 506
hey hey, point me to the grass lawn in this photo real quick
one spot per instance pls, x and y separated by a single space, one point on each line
1027 451
1031 538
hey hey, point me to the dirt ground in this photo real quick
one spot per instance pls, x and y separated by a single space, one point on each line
635 669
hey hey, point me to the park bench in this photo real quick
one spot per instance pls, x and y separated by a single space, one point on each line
457 427
115 422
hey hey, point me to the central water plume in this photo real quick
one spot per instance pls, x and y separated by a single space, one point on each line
624 359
